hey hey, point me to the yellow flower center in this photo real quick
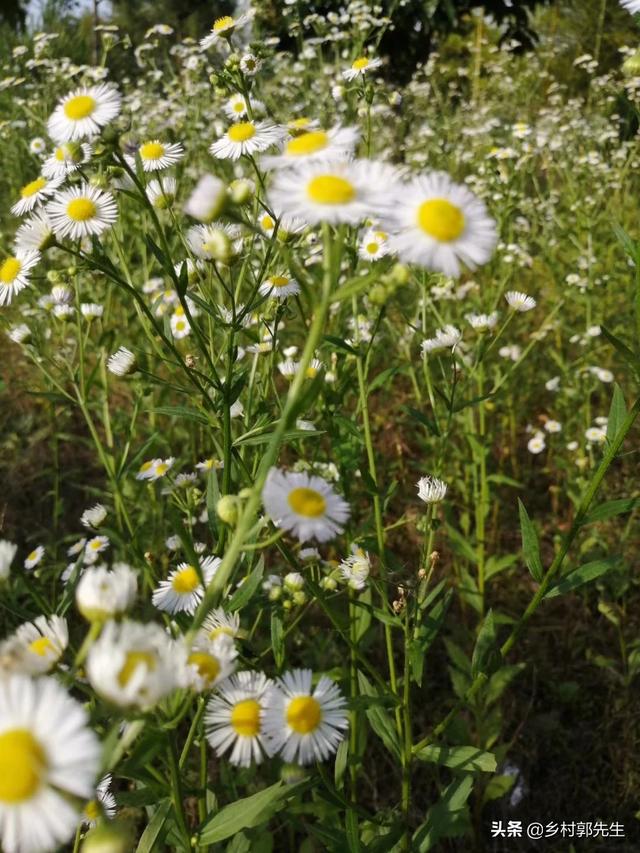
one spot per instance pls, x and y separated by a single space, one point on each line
9 270
220 629
95 544
372 248
245 718
41 647
60 155
360 63
208 667
92 810
441 219
279 281
304 714
180 327
32 556
299 123
307 143
22 765
241 132
307 502
267 223
79 107
132 661
330 189
151 150
145 466
162 468
238 106
81 209
223 23
311 373
185 581
33 187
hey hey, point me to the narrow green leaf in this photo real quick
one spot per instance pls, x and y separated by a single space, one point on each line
610 509
485 654
379 720
150 838
530 544
617 413
245 813
585 574
448 818
467 758
277 638
244 593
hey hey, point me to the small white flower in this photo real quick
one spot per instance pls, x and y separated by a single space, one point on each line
361 66
35 193
35 557
121 362
234 718
552 426
246 137
519 301
7 553
102 594
183 590
356 568
84 112
431 490
536 444
15 272
482 322
154 469
156 155
82 211
304 504
279 287
596 435
207 200
94 516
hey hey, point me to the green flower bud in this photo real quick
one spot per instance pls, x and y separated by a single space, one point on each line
227 509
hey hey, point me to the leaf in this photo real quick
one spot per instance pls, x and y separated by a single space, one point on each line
500 680
363 615
340 344
383 378
494 565
213 496
245 813
617 413
432 426
621 347
244 593
585 574
530 544
611 508
460 544
277 638
426 634
379 720
448 818
467 758
181 412
498 786
342 755
485 652
151 836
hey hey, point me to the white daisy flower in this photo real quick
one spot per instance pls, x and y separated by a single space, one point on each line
279 287
439 223
483 322
61 294
94 516
103 805
35 647
35 234
301 724
355 569
304 505
223 28
91 310
289 368
215 242
156 155
35 193
162 193
37 145
94 547
208 199
48 756
132 664
552 426
337 143
102 594
182 592
288 226
218 623
34 557
7 553
233 719
82 211
66 159
361 66
180 326
246 137
154 469
122 362
373 245
18 334
520 301
236 106
536 444
15 273
431 490
333 191
596 435
446 338
210 662
250 64
82 113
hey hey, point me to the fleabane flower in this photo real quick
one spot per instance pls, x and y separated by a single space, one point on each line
122 362
156 155
234 718
373 245
102 594
154 469
334 191
305 724
519 301
34 557
132 664
208 199
35 193
82 211
15 272
355 569
182 592
94 516
223 28
279 287
103 805
482 322
361 66
336 143
209 662
304 505
35 234
162 193
431 490
35 647
48 756
236 107
218 624
84 112
439 224
446 338
66 159
246 137
7 553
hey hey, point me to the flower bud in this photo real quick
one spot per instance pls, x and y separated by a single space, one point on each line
227 509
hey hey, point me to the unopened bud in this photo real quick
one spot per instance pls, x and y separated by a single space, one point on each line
227 509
